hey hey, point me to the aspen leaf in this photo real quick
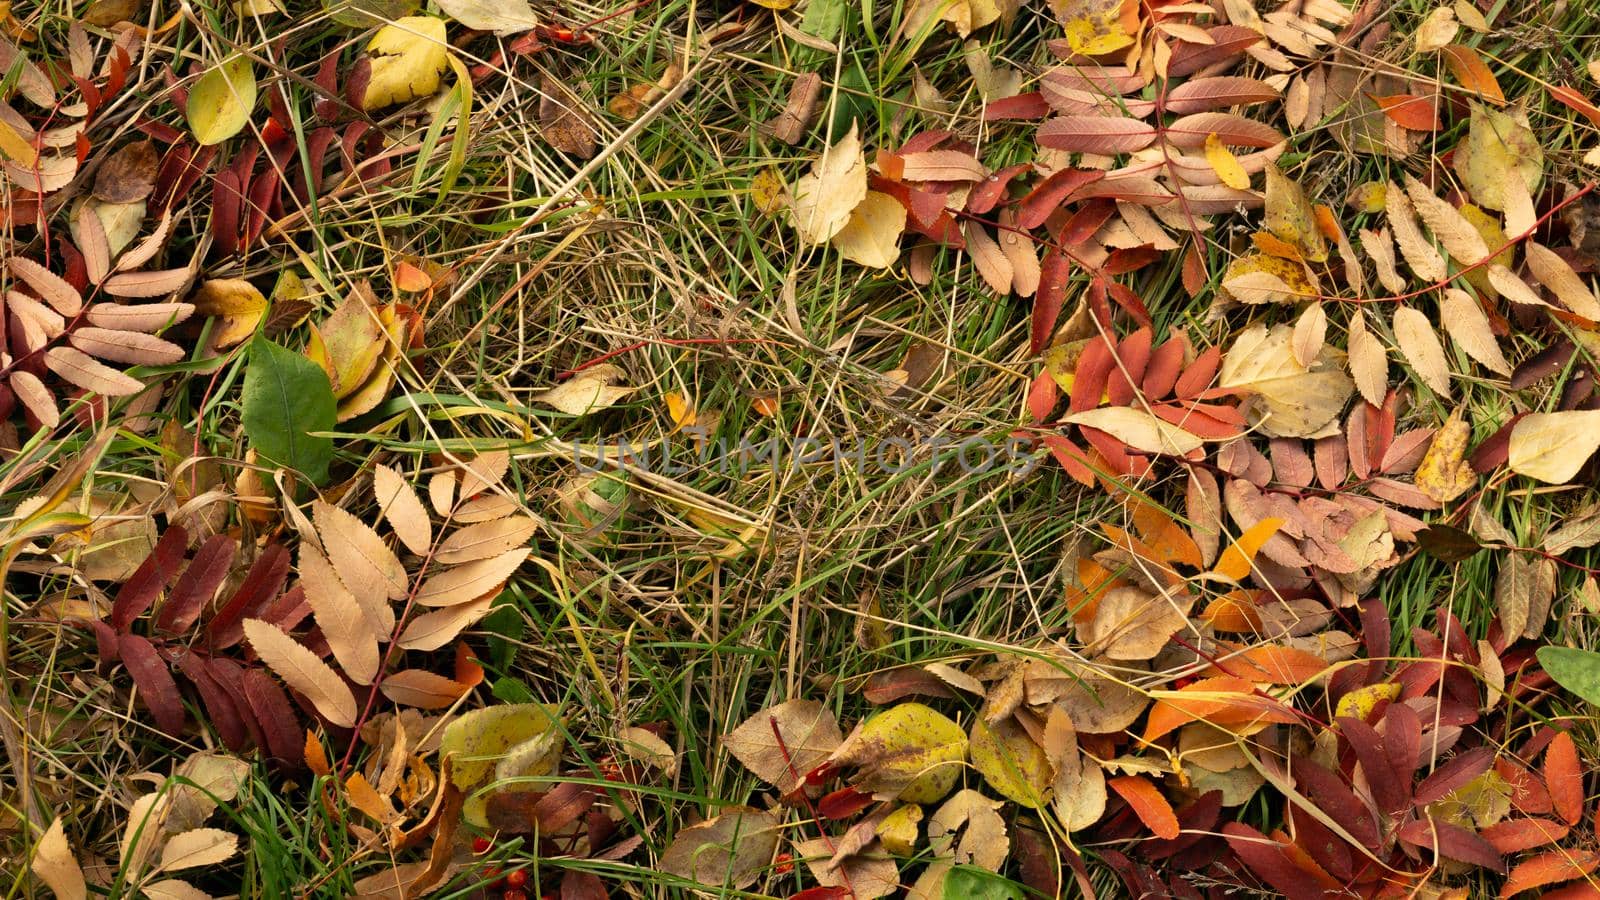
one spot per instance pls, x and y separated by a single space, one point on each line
1415 336
1552 447
1437 30
477 739
1138 429
303 671
823 200
733 848
871 236
1009 760
220 102
1235 562
783 743
1498 141
408 56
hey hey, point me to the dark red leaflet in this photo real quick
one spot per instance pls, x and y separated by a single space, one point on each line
220 709
1086 220
141 590
105 644
1047 302
1387 789
198 584
1117 455
157 691
1042 396
1338 801
894 684
1495 450
1273 865
279 724
229 676
264 581
1040 202
1231 41
289 610
1457 771
1130 259
990 191
1196 820
1452 841
843 803
1328 850
1130 301
1402 739
578 885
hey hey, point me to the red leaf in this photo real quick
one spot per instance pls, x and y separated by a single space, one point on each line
1021 106
1411 111
1090 377
198 584
1197 377
843 803
1528 793
1086 220
1074 459
263 582
1229 42
1552 867
1042 396
1190 132
1574 100
1517 835
1272 863
1050 193
1133 354
1162 373
224 714
1047 302
1452 841
1148 804
989 192
271 709
1130 259
1460 769
1563 776
1096 134
1387 789
141 590
157 691
1129 301
1220 92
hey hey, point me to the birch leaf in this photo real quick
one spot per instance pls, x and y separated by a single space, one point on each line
220 102
408 56
303 671
1420 345
871 236
1290 217
1552 447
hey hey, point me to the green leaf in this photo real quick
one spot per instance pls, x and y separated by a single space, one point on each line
220 102
973 883
286 397
1576 670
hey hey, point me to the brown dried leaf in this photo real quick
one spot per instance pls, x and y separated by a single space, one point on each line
782 744
1467 325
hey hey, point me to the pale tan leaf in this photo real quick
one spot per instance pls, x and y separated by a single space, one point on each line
1138 429
364 562
198 847
783 743
1467 325
591 390
146 249
173 889
403 509
871 236
1130 624
1379 246
433 630
146 318
1460 239
1285 398
1553 272
987 257
48 323
470 581
35 398
825 198
1020 251
942 165
303 671
733 848
90 234
486 507
1521 217
79 368
129 348
1418 253
147 284
1415 337
52 288
486 539
1512 287
1437 30
1310 331
145 828
442 492
346 626
1297 103
1471 17
56 866
421 689
1369 361
1552 447
483 471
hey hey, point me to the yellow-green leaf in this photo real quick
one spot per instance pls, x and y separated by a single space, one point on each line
220 102
407 59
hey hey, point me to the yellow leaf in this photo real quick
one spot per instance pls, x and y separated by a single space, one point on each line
1225 165
1093 28
1359 703
822 202
407 60
1443 473
220 102
680 410
909 750
898 830
1290 216
1552 447
1368 196
1011 762
768 191
871 237
1235 561
238 306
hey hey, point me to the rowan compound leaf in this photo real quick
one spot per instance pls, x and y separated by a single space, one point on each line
286 400
1138 429
1459 237
408 56
1444 474
1290 217
1552 447
303 671
731 849
345 626
908 750
1414 335
56 865
822 201
1465 322
782 744
221 101
403 509
1310 332
871 237
366 565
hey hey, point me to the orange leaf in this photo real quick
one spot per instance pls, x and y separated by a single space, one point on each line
410 279
1096 580
1166 537
316 757
1148 804
1517 835
1563 776
1272 245
1552 867
1235 611
1222 701
1327 223
1574 100
1275 665
1410 111
468 671
1474 75
1235 561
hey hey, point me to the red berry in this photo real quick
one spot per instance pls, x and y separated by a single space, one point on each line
493 875
515 894
785 864
481 845
516 879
